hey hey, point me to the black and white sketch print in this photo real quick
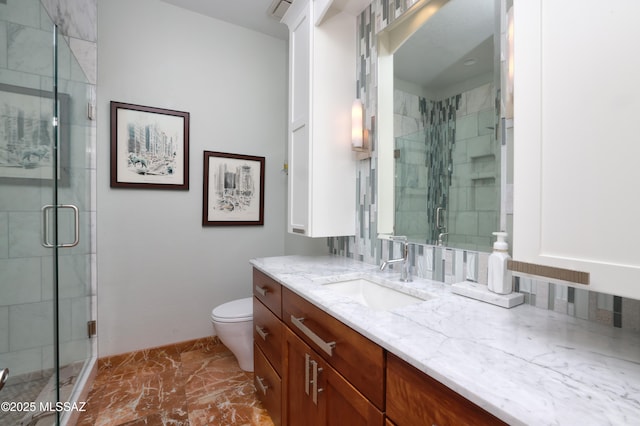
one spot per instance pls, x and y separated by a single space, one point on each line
149 147
233 189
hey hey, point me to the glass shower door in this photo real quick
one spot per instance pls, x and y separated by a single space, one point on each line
74 209
45 206
26 184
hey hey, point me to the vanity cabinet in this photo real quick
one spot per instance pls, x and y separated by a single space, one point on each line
312 369
414 398
322 83
576 101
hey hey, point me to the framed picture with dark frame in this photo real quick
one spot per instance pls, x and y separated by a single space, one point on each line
233 189
27 135
149 147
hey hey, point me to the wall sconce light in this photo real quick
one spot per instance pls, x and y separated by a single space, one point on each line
510 63
359 134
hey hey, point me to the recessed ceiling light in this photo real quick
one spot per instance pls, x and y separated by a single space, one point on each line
469 62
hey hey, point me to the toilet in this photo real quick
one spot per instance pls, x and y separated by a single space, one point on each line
233 324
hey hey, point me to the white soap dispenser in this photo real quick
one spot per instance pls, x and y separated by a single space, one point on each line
499 276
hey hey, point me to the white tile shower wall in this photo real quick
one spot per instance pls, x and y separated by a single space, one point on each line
471 213
79 23
411 179
474 195
25 61
366 247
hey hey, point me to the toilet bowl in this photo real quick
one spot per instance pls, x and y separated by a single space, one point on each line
233 324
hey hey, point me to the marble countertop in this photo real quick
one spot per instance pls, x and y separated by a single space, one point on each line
524 365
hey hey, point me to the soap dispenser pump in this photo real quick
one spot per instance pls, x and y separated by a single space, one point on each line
499 275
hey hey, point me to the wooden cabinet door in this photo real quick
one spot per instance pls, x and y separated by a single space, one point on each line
298 406
414 398
343 404
336 401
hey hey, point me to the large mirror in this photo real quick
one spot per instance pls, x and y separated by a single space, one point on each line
446 126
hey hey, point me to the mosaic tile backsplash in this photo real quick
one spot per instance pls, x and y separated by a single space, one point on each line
439 263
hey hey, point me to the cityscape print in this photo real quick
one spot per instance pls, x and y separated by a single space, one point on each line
151 150
149 147
234 187
26 135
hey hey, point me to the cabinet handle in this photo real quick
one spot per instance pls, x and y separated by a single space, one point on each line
262 290
316 390
298 230
261 332
325 346
307 360
261 386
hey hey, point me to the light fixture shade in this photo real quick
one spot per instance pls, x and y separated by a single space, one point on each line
510 62
356 124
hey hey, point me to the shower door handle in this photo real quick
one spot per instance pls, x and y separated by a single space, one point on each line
45 225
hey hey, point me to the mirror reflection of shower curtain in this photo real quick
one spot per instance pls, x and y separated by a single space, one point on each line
439 119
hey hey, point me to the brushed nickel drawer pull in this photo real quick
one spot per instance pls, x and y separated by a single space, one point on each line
307 363
325 346
316 390
262 290
261 386
261 332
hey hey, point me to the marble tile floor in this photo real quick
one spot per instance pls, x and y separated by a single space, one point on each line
194 383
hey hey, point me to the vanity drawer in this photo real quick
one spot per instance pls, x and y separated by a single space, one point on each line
354 356
267 334
268 385
268 291
414 398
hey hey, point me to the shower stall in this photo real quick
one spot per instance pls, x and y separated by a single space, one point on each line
47 217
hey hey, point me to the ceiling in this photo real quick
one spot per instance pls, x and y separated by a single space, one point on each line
252 14
456 33
434 56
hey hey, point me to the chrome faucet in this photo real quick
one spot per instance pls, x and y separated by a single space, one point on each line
405 272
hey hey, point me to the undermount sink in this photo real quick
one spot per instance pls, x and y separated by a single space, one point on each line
373 295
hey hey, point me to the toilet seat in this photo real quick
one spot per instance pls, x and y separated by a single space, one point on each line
235 311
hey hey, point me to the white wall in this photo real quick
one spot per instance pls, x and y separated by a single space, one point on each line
159 271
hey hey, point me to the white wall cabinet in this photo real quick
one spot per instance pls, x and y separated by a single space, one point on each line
322 87
577 153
